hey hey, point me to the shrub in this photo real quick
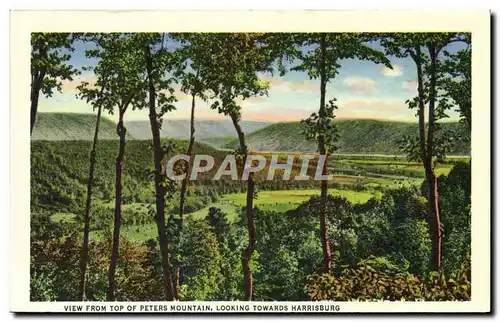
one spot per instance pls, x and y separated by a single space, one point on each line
370 281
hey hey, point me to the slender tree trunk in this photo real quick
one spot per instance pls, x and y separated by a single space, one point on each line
421 106
121 131
325 241
184 185
86 229
160 191
36 85
189 152
426 152
37 77
252 233
433 198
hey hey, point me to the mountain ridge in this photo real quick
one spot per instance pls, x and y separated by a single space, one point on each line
355 135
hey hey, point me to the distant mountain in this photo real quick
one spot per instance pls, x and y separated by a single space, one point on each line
355 136
204 129
72 126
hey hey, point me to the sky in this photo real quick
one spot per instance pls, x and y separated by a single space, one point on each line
363 90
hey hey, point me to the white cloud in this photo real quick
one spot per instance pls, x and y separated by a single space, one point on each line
409 85
373 104
278 83
71 86
361 84
394 72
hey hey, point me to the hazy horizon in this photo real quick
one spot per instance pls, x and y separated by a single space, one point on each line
110 117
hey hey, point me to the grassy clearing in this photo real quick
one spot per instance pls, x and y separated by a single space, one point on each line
63 217
282 200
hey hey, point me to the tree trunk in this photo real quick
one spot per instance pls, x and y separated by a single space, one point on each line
434 220
37 77
160 191
421 106
433 202
426 153
252 234
184 185
189 152
121 131
36 85
86 230
325 240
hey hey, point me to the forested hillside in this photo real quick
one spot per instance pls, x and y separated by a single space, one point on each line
77 126
355 136
72 126
59 171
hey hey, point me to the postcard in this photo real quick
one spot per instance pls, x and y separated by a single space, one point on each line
250 162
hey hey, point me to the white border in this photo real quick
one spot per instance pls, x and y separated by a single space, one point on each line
477 22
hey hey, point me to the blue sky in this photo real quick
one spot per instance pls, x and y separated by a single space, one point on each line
363 90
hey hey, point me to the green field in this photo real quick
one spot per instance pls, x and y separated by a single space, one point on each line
63 217
280 201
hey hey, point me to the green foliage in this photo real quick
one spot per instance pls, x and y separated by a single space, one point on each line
288 250
200 258
55 252
337 46
283 136
119 77
436 80
368 280
458 79
455 206
395 227
317 125
392 227
322 60
50 54
413 244
239 57
53 260
230 242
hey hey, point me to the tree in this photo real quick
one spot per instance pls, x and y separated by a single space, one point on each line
202 262
229 68
229 240
192 49
458 82
158 62
120 62
320 58
425 50
50 53
94 94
